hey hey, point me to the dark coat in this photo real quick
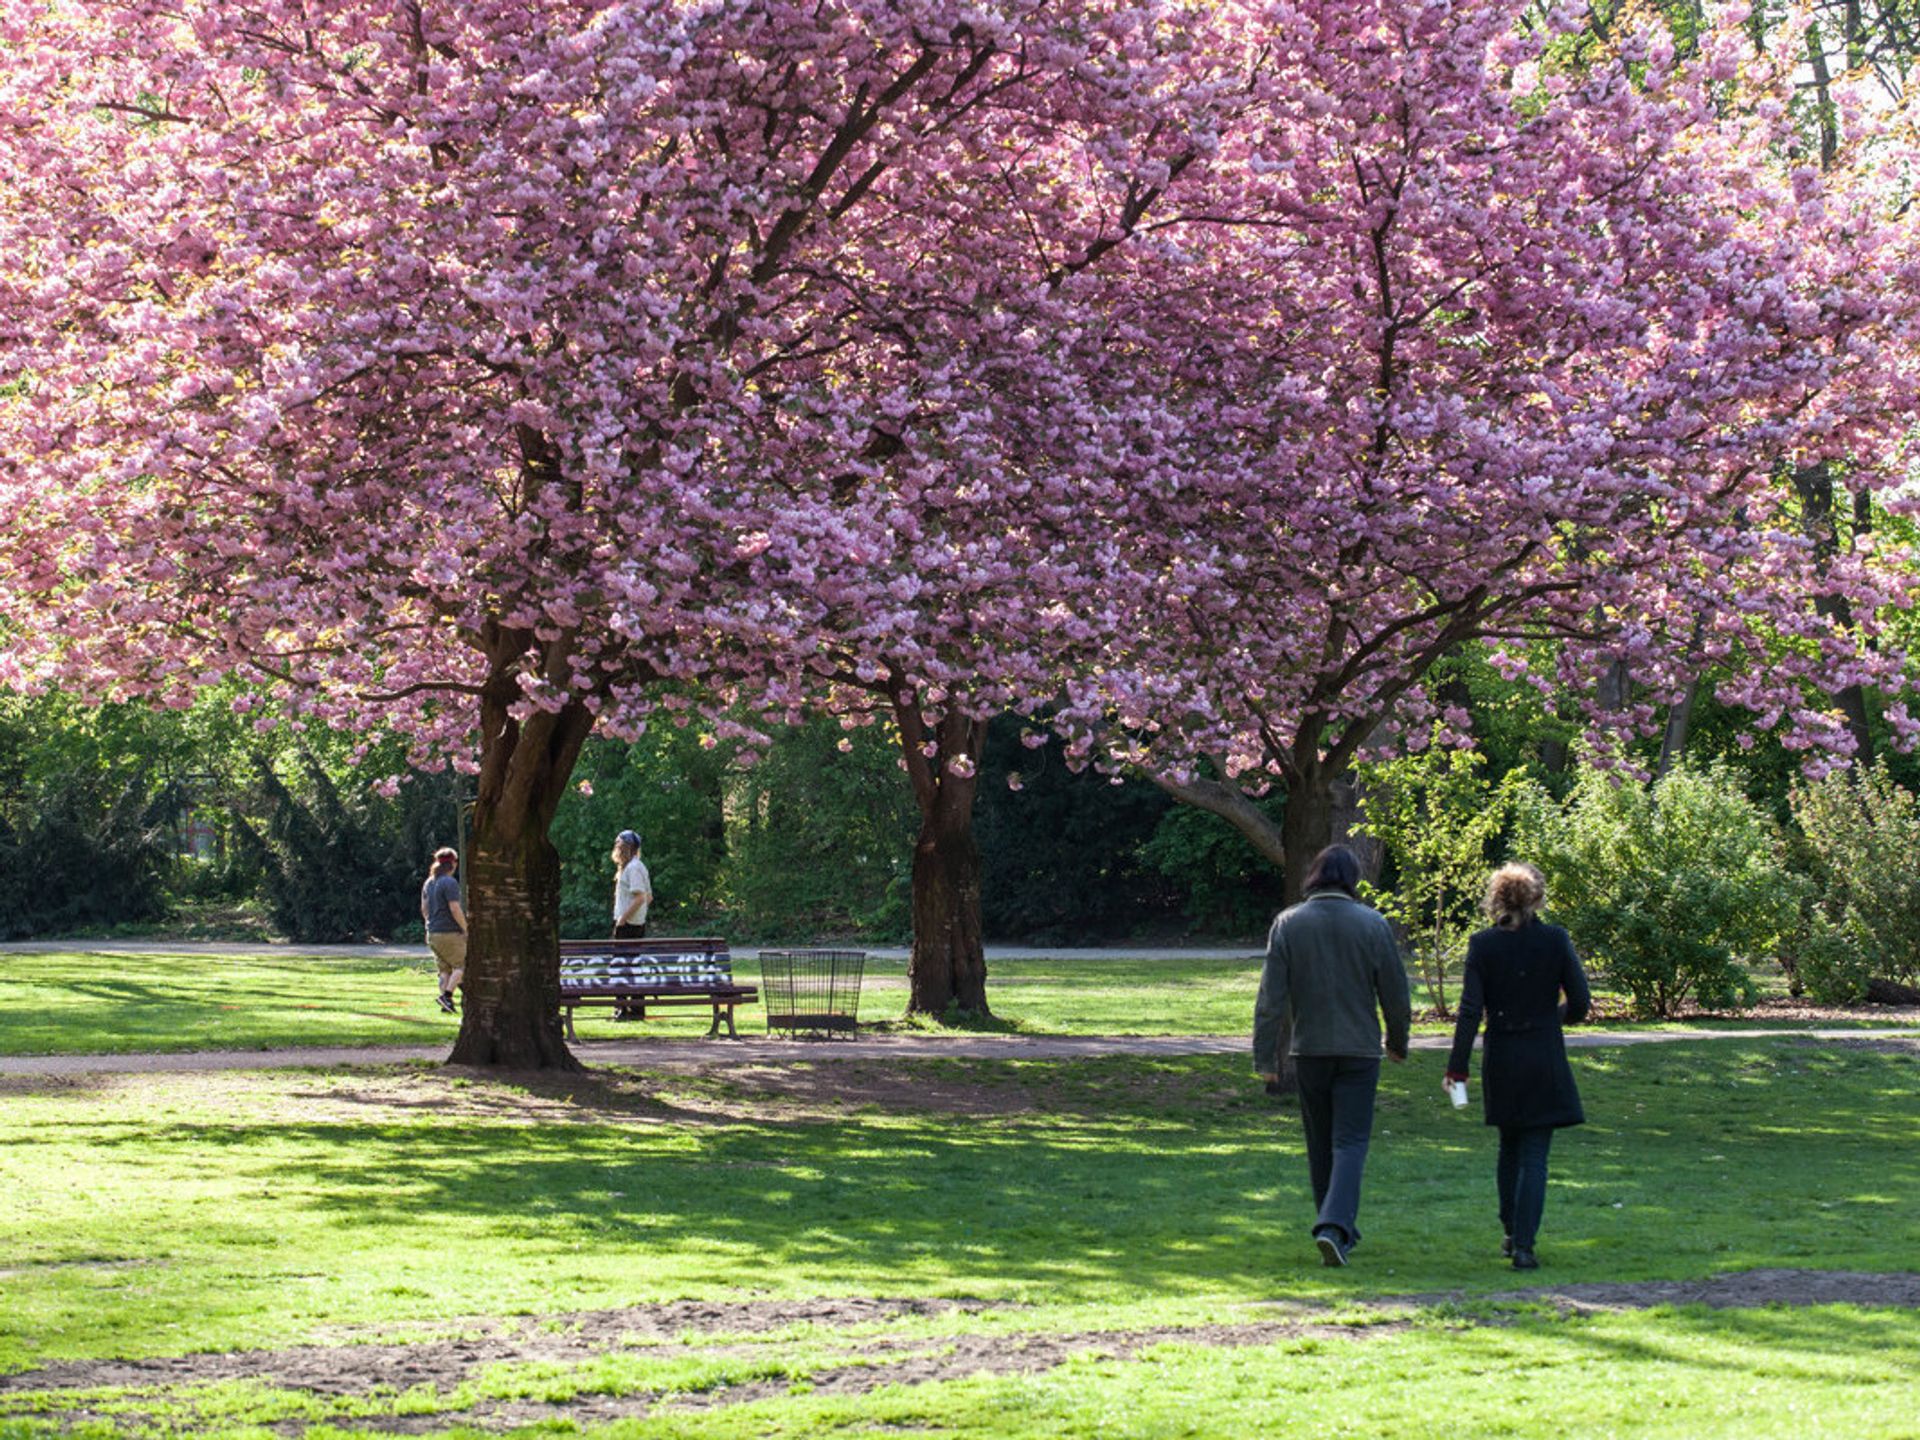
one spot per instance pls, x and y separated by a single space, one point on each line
1330 962
1515 978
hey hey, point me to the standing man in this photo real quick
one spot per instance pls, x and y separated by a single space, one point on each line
632 888
446 923
1329 960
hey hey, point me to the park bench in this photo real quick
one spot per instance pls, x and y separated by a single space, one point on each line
636 975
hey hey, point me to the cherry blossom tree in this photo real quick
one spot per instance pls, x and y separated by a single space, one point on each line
1464 343
469 370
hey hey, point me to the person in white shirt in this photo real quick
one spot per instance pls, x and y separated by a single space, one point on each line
632 889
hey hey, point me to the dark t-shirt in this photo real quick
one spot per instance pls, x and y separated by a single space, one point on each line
437 894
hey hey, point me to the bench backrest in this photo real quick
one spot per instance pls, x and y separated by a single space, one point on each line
692 963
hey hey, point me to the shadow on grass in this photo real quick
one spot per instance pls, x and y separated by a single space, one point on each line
1145 1176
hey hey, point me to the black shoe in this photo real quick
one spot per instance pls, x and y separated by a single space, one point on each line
1506 1246
628 1015
1524 1260
446 1002
1333 1252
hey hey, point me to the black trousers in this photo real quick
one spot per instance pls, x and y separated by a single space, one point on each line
628 932
1522 1177
1336 1111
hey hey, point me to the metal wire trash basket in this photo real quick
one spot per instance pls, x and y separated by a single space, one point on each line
812 992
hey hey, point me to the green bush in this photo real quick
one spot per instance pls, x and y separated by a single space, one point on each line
1230 888
1862 835
1826 963
1669 889
1438 813
820 838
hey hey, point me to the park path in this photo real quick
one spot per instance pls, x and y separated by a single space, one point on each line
672 1052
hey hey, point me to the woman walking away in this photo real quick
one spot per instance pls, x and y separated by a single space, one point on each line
1517 972
446 923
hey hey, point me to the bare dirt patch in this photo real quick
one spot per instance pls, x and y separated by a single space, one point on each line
847 1341
863 1356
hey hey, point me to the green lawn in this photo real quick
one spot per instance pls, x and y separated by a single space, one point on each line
166 1214
79 1003
95 1003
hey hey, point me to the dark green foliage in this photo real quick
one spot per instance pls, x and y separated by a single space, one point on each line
671 790
1063 859
84 845
341 865
820 837
1229 888
82 859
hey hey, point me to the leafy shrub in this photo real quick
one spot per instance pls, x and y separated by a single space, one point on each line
820 839
1230 888
1669 888
1862 834
1827 964
1437 813
1060 857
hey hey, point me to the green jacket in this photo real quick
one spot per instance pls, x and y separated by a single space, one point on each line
1329 959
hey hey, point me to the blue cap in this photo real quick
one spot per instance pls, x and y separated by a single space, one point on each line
628 837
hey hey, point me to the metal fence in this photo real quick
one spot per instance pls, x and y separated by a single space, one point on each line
812 992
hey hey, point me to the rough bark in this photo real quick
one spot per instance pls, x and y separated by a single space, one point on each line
947 969
1673 743
1306 828
1815 486
510 1012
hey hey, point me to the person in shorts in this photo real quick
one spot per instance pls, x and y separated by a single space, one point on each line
446 921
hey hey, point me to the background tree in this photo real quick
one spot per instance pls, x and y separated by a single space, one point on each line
1552 335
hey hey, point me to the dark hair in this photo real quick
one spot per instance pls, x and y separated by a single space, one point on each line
1335 868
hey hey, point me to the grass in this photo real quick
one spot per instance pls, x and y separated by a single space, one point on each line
76 1002
167 1214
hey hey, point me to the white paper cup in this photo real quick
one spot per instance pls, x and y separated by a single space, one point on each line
1457 1093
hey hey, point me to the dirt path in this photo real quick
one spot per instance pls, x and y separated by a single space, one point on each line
694 1053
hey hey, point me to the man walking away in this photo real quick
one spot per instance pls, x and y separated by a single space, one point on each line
1330 960
446 923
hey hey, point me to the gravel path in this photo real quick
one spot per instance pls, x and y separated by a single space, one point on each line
694 1053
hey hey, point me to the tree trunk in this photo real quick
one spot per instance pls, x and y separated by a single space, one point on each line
948 967
1815 486
1306 828
1679 719
510 1012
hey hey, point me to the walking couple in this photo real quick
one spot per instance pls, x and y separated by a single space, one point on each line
1333 969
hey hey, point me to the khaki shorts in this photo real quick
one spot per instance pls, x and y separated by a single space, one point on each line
450 949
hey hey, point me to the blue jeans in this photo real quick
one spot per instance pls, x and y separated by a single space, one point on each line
1336 1111
1522 1176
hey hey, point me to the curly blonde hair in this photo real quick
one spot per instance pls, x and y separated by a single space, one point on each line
1515 893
